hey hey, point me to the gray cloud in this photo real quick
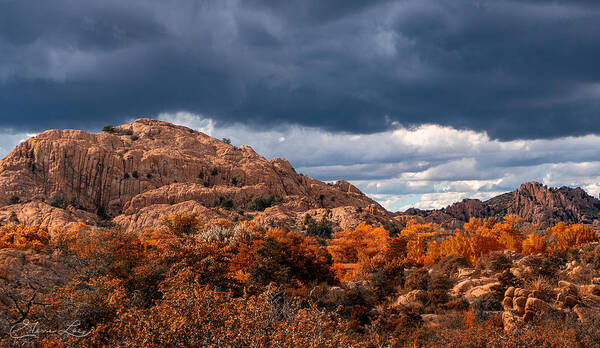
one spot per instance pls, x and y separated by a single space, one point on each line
515 69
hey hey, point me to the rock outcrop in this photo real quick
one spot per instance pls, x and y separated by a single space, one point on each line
523 306
38 213
534 202
138 172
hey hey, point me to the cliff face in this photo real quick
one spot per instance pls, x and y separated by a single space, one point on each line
136 172
534 202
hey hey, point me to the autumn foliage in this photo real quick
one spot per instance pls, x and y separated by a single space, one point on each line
567 236
23 237
365 248
357 250
191 282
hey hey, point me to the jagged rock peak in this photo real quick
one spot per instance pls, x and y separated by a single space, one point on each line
534 202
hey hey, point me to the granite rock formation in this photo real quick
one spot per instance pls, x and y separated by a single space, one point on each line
534 202
138 172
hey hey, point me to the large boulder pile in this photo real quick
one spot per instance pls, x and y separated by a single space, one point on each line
524 306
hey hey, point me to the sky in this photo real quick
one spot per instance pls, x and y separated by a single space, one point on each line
418 103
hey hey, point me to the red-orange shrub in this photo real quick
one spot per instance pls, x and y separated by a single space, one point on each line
23 237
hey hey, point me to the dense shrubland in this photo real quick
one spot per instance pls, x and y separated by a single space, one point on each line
195 283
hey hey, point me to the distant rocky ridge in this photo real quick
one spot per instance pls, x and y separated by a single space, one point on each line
137 173
534 202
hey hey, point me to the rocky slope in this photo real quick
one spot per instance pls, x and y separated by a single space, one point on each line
138 172
518 294
534 202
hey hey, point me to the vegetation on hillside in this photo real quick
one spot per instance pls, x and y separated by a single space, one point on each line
196 283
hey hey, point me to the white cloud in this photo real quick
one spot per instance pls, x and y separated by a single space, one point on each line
429 166
442 199
9 139
426 167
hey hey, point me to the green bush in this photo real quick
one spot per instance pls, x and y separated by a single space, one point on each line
321 229
101 212
449 265
262 203
491 301
495 262
234 181
544 267
214 171
225 203
14 200
73 202
135 174
439 281
226 141
58 201
109 129
126 132
391 228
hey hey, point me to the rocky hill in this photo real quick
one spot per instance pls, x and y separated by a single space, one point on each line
534 202
137 173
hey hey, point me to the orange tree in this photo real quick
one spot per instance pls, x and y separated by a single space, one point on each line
534 244
480 236
566 236
419 238
357 250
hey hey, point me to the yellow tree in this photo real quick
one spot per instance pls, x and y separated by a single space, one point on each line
534 244
364 246
420 237
567 236
508 234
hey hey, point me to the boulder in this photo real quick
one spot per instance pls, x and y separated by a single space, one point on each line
507 303
536 305
510 321
519 304
563 284
412 299
571 301
539 295
466 285
482 290
521 292
464 273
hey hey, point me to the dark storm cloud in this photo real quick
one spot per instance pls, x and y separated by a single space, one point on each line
516 69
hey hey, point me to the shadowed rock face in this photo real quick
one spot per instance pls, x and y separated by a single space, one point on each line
534 202
138 171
